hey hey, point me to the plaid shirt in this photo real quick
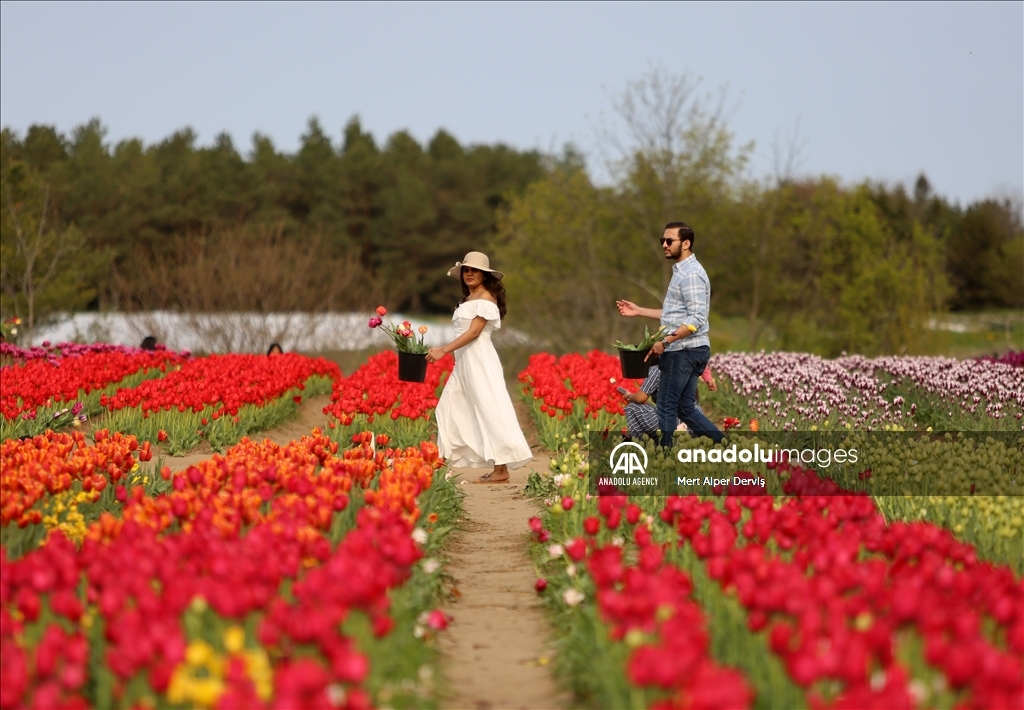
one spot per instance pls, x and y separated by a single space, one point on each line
687 302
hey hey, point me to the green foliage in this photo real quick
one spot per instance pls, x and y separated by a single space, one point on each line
562 243
404 211
875 286
827 272
986 256
645 343
808 264
45 266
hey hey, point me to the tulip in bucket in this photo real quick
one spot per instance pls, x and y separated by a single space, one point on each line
633 365
412 367
412 353
632 356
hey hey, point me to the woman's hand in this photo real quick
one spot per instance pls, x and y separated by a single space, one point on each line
435 354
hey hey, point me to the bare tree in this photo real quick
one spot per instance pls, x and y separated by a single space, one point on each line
38 269
670 143
270 283
669 149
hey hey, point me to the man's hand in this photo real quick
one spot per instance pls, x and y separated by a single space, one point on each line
628 308
657 350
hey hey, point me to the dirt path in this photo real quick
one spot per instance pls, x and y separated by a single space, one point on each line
310 415
496 649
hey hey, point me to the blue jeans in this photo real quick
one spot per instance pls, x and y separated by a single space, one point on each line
680 370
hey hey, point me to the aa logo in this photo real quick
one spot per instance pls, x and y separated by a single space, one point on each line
625 458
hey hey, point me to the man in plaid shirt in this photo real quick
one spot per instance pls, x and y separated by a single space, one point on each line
685 351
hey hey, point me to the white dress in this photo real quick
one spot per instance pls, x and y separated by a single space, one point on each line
476 423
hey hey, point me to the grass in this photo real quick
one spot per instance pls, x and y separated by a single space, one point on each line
959 335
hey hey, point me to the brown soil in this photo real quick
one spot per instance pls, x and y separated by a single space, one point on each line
496 650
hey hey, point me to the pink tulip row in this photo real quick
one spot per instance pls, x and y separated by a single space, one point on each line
791 390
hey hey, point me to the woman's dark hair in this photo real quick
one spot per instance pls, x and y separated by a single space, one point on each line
148 343
275 347
493 285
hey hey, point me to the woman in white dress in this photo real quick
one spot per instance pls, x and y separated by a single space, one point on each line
476 423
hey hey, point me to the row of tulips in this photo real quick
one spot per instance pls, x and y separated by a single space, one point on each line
573 392
815 598
55 353
47 482
218 399
373 398
798 391
862 613
770 390
34 387
634 634
267 577
804 392
1011 357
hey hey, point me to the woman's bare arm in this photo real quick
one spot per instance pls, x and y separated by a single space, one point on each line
472 333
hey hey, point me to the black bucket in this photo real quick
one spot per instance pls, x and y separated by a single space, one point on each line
633 365
412 367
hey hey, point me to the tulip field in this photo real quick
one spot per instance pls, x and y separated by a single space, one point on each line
311 573
815 596
372 398
303 575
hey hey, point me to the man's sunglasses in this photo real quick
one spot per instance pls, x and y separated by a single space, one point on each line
665 240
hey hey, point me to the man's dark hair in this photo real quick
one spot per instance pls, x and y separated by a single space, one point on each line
685 231
148 343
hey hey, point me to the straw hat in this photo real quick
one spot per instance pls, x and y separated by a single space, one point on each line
476 260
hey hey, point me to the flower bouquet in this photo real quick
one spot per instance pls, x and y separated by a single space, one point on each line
412 353
632 356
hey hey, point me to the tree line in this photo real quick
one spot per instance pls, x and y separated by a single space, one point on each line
347 224
336 225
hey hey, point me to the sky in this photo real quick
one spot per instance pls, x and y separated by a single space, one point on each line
879 91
